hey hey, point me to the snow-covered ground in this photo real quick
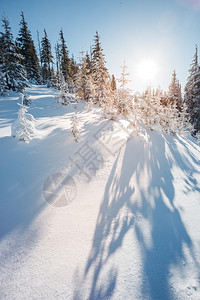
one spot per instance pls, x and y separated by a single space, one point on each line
115 216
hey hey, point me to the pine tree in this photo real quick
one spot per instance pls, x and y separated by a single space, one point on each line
46 58
174 92
99 71
75 128
23 128
73 70
2 75
124 98
13 71
66 97
83 78
28 51
113 84
63 57
192 93
2 82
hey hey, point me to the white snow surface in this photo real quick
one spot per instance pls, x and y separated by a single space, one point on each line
131 230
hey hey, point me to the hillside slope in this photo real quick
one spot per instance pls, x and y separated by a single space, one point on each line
115 216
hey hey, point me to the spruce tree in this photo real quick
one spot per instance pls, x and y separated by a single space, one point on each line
63 57
46 58
2 82
124 98
99 71
192 93
174 92
28 51
113 84
73 70
2 75
83 78
13 71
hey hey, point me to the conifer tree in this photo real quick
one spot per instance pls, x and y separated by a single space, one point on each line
63 56
23 128
46 58
73 70
75 128
2 82
174 92
2 75
28 51
113 84
192 93
99 71
124 97
13 71
84 78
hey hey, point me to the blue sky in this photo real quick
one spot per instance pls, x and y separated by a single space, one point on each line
164 32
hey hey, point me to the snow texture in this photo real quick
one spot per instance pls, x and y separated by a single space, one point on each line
131 228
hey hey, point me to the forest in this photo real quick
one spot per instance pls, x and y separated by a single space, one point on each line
22 63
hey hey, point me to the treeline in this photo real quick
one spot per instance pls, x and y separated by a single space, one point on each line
89 80
20 63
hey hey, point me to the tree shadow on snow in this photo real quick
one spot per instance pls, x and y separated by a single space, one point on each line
141 189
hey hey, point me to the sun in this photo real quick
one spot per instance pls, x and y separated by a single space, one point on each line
147 70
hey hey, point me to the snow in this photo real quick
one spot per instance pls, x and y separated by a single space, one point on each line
131 228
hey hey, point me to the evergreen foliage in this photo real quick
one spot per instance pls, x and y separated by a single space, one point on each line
113 84
174 92
99 71
23 128
13 72
64 61
90 80
192 93
124 98
28 52
46 58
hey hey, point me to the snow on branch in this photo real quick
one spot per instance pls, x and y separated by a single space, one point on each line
23 128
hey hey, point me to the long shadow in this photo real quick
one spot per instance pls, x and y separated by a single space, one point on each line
168 235
109 225
150 173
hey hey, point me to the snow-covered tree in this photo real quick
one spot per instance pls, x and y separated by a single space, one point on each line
73 70
28 51
2 75
75 128
99 71
46 58
26 99
23 128
13 71
84 80
63 55
113 84
2 80
174 92
192 93
124 97
66 97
